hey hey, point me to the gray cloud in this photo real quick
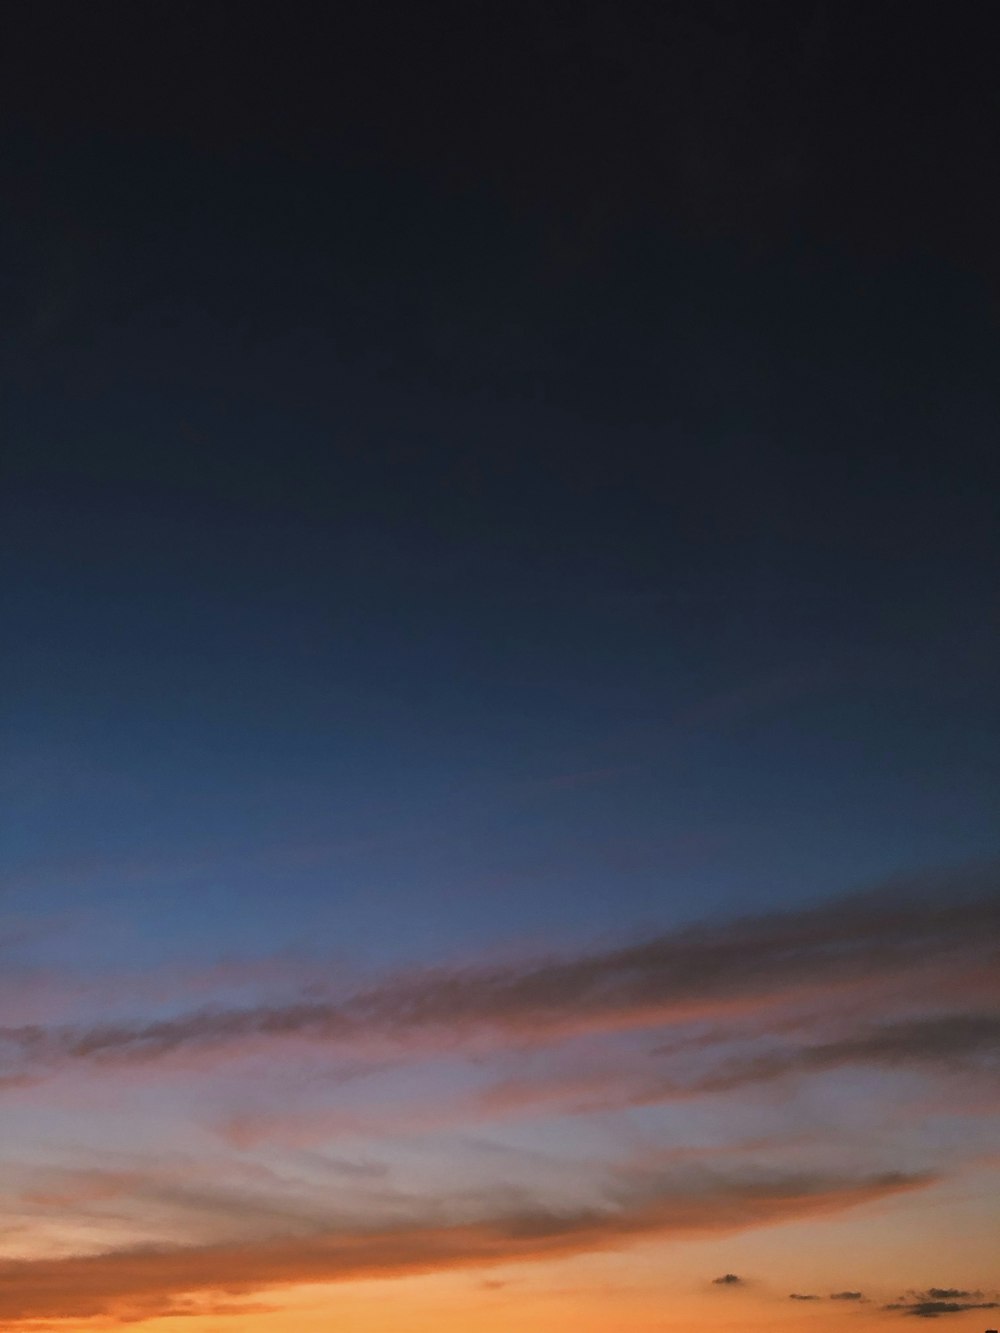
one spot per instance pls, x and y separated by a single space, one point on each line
833 1296
932 1309
948 1039
741 967
936 1301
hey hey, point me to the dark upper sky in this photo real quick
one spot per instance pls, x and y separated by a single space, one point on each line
407 402
499 555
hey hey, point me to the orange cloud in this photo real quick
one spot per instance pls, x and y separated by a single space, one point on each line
149 1282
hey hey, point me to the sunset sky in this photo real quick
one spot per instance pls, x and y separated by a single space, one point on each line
499 751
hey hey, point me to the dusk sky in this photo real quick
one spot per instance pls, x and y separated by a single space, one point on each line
500 678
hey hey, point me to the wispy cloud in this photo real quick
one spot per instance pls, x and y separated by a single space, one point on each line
143 1283
747 966
948 1039
954 1042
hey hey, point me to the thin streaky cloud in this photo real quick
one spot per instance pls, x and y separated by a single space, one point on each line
144 1282
743 967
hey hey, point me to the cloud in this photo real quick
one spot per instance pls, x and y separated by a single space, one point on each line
145 1282
728 1280
948 1039
743 967
936 1301
834 1296
951 1040
932 1309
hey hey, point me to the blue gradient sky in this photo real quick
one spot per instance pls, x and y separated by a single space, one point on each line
499 741
229 716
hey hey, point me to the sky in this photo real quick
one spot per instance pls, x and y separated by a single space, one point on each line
499 742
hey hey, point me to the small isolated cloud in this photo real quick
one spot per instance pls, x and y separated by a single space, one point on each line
846 1296
727 1280
801 1296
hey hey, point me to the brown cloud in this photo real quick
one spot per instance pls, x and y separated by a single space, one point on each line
148 1282
745 966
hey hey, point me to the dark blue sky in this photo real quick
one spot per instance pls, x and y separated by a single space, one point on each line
498 578
421 526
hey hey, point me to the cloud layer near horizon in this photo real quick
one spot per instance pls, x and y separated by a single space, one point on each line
148 1282
905 988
